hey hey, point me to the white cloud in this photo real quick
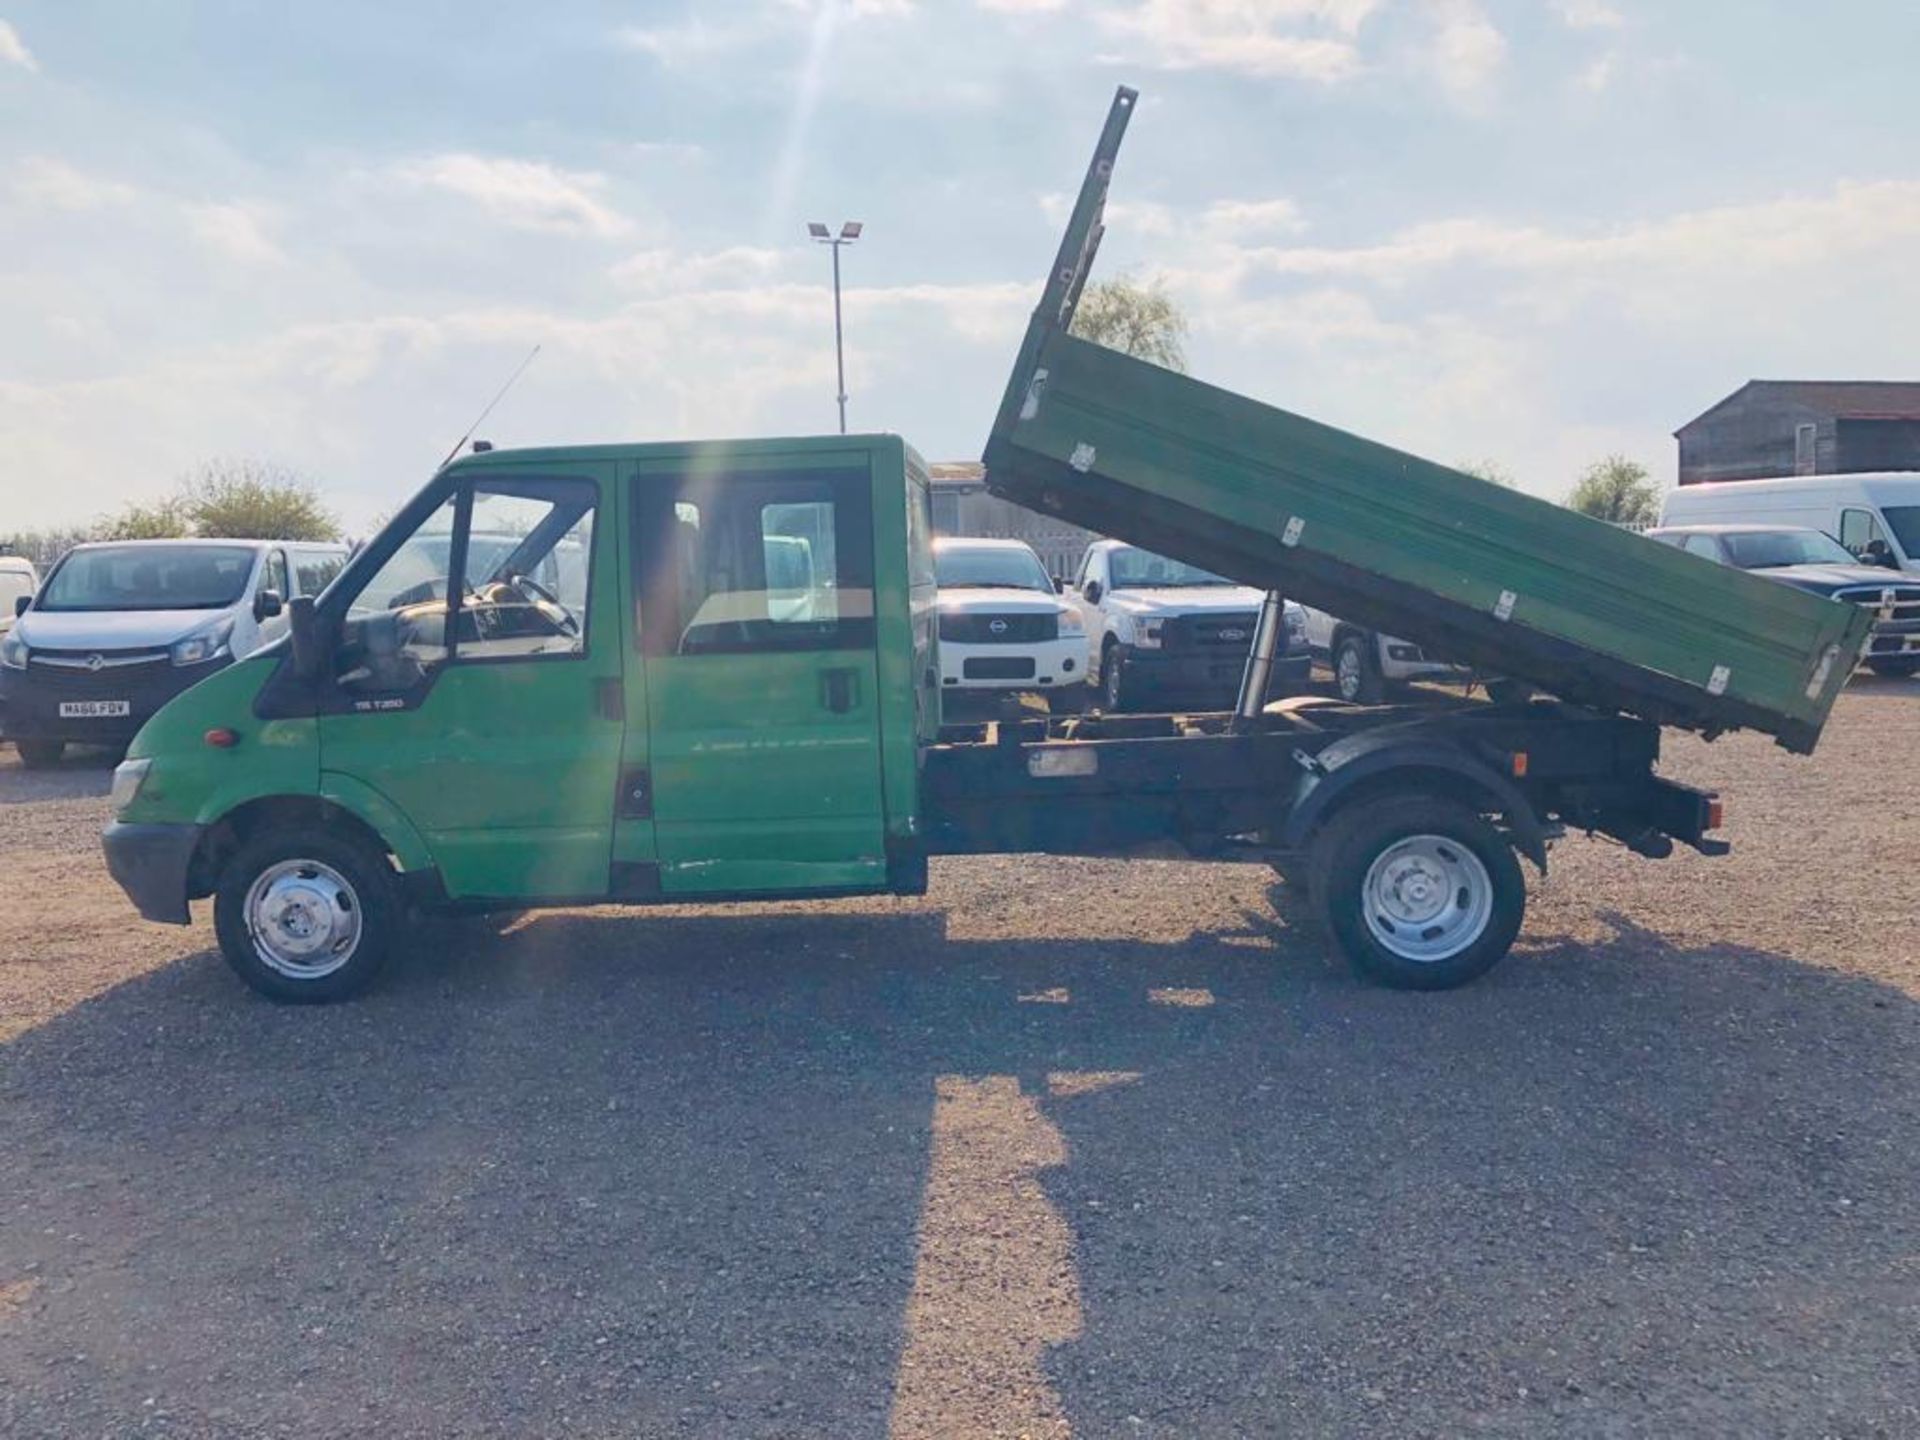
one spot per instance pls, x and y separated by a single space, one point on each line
44 183
1271 39
1600 74
1022 7
1589 14
1468 51
235 231
13 50
666 270
524 194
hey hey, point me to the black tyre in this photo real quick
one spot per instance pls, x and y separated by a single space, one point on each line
1114 693
1903 669
1356 669
1420 893
40 754
306 916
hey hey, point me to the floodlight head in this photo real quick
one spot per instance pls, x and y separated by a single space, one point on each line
850 230
817 230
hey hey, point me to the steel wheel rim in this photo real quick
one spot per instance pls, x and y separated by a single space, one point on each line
1346 672
1112 678
1426 898
304 919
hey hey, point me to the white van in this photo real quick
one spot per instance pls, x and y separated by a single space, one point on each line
121 627
1876 516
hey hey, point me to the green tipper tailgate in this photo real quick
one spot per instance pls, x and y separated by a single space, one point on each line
1469 570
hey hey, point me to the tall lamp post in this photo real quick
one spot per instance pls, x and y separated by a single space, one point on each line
849 232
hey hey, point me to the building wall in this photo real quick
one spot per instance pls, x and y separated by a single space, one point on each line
1878 445
970 510
1754 438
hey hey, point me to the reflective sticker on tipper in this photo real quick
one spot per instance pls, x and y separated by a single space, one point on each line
1291 535
1822 671
1030 407
1717 682
1504 610
1082 457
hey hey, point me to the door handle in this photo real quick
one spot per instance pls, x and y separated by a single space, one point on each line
839 690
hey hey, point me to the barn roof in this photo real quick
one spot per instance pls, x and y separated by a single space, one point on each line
1843 399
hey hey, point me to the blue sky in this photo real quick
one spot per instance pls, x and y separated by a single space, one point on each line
1533 231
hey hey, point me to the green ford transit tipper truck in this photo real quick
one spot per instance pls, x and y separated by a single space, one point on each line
710 672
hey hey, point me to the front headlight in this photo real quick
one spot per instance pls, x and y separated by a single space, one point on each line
1146 634
1072 622
13 650
203 645
128 777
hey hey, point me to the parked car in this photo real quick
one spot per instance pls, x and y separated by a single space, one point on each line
120 628
18 581
1810 560
1166 631
1365 662
1876 517
1003 626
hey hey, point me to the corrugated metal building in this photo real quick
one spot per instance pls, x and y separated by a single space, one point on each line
962 506
1771 428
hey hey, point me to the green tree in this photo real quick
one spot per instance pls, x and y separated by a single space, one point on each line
1490 470
1135 319
164 519
1617 490
255 500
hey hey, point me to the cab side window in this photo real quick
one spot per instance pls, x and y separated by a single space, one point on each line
1704 546
273 576
745 563
523 591
314 571
394 636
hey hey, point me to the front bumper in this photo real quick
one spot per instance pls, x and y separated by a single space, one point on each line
1184 677
1020 665
30 699
151 863
1894 640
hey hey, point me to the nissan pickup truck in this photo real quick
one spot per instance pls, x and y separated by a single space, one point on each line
742 701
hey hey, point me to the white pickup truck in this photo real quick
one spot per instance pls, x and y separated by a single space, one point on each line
1162 631
1364 662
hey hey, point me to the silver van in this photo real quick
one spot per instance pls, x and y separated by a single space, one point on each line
121 627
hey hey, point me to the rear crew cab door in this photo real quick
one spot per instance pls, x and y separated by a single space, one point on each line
754 576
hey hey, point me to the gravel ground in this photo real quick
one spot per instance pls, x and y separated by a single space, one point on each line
1066 1148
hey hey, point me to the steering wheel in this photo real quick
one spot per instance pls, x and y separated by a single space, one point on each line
534 591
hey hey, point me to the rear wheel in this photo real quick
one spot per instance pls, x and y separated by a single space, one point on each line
39 754
1356 670
1895 669
306 916
1422 894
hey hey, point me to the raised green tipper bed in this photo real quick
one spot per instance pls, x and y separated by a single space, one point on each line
1466 569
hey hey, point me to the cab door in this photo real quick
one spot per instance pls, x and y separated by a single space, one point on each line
755 582
483 701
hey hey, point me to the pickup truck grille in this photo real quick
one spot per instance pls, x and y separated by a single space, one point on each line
1905 600
1018 628
1210 632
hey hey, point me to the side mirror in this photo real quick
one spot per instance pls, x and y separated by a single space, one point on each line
20 604
1059 585
267 604
1092 592
307 659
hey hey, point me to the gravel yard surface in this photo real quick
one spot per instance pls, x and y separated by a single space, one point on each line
1066 1148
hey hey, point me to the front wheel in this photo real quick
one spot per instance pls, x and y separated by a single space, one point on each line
1422 894
306 916
1115 694
1902 669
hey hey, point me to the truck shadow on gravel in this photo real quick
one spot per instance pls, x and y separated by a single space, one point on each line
671 1175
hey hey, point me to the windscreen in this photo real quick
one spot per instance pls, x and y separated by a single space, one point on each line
956 568
1904 521
1143 570
1765 549
150 577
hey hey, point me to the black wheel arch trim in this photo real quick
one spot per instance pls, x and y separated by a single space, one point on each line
1353 764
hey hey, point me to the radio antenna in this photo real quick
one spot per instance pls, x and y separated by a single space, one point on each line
481 418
